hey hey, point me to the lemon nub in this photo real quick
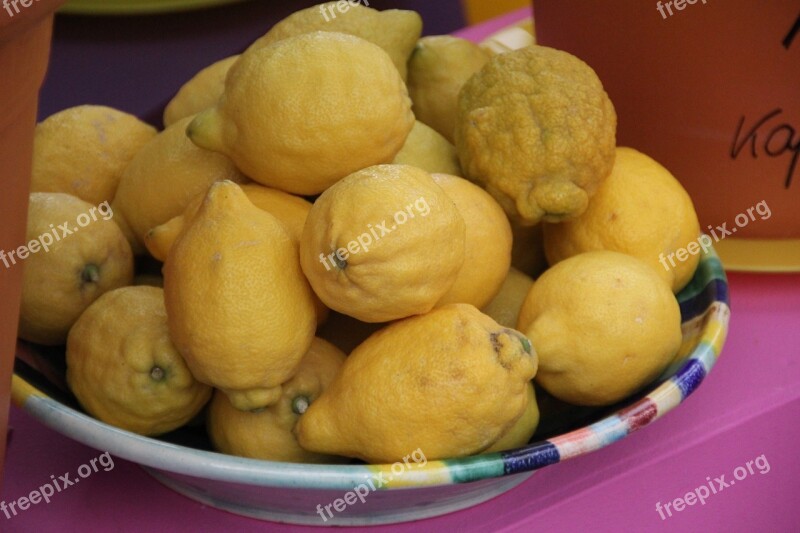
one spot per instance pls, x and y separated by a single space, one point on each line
300 404
90 274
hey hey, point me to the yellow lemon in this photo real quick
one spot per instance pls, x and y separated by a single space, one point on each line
523 429
450 383
395 30
307 111
640 210
428 150
74 254
561 145
159 240
487 250
604 325
506 305
290 210
123 368
161 180
240 310
199 93
268 433
438 68
384 243
84 150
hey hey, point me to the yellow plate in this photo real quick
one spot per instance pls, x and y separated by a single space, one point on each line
130 7
760 255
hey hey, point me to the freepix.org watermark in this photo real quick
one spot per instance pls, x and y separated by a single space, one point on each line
666 7
46 240
374 234
711 488
342 6
704 242
360 492
8 4
55 485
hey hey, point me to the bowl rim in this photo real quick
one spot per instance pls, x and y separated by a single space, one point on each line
705 309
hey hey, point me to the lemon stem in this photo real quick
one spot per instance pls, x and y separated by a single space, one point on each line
341 264
300 405
526 344
157 373
90 274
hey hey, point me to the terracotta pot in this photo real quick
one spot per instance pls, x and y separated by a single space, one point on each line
709 89
24 50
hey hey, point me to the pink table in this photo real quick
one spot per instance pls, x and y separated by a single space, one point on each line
748 407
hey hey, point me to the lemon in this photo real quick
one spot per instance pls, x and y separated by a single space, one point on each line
487 250
450 382
123 368
523 429
307 111
161 180
290 210
240 311
506 305
426 149
561 145
394 30
75 253
604 324
384 243
159 240
438 68
268 434
640 210
84 150
199 93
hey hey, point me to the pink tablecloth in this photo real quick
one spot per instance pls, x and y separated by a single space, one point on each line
747 410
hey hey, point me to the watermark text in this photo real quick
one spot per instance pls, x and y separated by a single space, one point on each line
712 487
704 242
55 485
375 233
679 5
360 492
342 6
46 240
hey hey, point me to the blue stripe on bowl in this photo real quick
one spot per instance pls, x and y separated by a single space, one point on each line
530 458
690 376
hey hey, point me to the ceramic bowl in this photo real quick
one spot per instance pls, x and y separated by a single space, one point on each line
298 493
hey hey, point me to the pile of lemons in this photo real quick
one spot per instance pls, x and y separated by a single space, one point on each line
350 218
